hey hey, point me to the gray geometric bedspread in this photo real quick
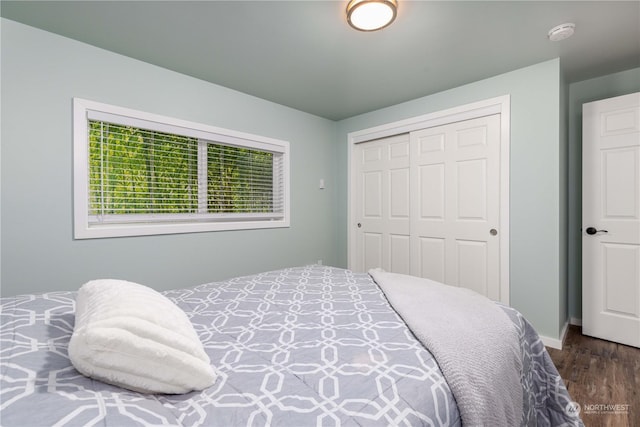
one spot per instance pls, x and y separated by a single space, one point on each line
307 346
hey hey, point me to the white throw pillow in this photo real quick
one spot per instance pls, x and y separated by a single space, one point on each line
131 336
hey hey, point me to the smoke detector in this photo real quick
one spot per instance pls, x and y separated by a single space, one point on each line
561 32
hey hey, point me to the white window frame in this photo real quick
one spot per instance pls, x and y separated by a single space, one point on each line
84 110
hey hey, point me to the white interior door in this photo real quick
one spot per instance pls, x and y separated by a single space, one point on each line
382 189
455 213
611 219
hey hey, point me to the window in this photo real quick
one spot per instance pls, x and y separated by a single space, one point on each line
137 173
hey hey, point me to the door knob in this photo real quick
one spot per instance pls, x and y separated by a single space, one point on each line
591 231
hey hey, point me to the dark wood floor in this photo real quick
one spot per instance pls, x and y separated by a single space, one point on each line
600 374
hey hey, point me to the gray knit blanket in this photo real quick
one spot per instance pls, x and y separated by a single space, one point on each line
473 341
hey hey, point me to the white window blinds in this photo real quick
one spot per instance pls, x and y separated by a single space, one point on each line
143 171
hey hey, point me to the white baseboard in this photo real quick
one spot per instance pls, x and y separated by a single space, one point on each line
575 321
555 342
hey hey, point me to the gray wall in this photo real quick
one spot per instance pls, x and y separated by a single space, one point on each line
579 93
41 72
535 197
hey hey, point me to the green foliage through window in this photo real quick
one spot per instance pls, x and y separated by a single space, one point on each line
239 179
138 171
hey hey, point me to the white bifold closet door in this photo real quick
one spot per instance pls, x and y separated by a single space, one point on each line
429 204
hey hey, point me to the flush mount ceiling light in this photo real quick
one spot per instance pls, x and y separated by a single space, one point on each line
561 32
371 15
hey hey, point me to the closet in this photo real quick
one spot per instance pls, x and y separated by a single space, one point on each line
428 203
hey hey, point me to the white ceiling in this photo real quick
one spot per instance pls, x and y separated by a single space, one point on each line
304 55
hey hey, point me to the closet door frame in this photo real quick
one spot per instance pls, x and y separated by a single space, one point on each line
499 105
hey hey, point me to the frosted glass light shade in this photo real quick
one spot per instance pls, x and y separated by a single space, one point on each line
371 15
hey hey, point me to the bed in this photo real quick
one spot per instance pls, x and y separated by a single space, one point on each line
305 346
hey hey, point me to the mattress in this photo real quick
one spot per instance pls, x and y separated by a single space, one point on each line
306 346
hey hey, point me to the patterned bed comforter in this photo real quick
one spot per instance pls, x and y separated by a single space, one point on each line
308 346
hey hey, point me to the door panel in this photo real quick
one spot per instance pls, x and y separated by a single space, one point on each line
371 250
471 176
457 170
382 177
372 194
620 275
432 255
611 204
399 254
472 265
620 194
399 193
431 186
471 136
